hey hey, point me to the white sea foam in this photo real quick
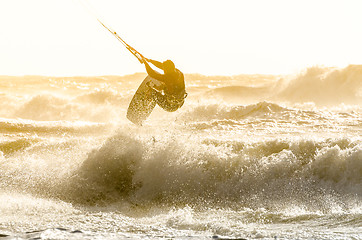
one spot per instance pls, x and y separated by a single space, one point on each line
245 156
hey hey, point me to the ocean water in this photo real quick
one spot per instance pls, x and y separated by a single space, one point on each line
246 157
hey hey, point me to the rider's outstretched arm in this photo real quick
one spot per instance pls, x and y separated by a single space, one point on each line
156 63
152 73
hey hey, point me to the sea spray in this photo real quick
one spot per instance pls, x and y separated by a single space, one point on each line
174 170
325 86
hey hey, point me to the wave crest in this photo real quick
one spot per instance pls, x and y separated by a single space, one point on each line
325 86
232 112
179 171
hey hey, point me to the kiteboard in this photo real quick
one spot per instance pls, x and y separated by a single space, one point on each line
143 102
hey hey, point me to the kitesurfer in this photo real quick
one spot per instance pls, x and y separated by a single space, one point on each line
171 95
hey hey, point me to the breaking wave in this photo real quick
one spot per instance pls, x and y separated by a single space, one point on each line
325 86
316 174
322 86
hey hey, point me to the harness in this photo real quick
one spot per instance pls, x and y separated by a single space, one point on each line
170 98
175 100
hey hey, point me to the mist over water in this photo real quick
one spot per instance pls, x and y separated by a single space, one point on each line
247 156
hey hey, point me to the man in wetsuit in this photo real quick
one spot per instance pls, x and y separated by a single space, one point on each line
171 97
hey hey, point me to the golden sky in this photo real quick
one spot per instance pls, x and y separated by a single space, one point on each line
223 37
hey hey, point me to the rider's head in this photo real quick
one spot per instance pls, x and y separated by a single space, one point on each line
168 66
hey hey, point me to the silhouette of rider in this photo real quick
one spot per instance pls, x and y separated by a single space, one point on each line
172 94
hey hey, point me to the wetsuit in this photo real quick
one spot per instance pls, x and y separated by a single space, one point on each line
174 90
